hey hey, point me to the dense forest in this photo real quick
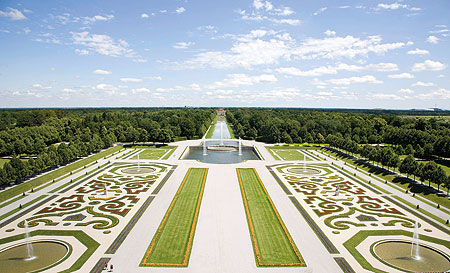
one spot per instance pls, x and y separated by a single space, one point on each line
380 137
37 140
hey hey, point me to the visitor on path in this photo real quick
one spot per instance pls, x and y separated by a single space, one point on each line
111 268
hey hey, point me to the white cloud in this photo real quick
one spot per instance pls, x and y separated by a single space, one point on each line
144 15
235 80
91 20
440 94
163 11
130 80
401 76
155 78
392 6
439 31
349 46
13 14
395 6
418 52
351 80
258 4
330 32
320 10
432 39
140 60
40 86
102 44
380 96
429 65
266 11
265 49
328 70
183 45
405 91
82 52
383 67
140 90
180 10
101 72
425 84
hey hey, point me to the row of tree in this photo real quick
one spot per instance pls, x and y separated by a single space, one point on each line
387 157
429 136
47 138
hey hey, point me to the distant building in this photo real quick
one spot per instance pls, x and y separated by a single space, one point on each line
221 112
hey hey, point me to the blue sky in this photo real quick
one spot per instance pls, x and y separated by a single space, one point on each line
287 53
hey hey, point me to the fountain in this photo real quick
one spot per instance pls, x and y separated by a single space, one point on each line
204 147
415 243
240 146
30 251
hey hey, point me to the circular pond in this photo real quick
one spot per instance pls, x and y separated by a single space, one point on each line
138 170
45 254
398 255
305 171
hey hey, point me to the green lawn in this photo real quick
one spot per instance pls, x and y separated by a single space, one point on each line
230 129
287 154
172 243
3 161
19 189
272 243
156 153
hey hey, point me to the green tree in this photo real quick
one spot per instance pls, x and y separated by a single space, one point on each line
409 165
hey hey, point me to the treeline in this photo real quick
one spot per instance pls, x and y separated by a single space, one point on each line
388 157
52 137
428 137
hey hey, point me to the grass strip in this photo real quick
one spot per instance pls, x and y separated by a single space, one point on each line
210 132
183 152
167 156
154 153
419 209
20 208
12 201
272 243
33 183
258 152
288 154
171 246
78 178
230 129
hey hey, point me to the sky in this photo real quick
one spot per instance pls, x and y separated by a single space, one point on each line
235 53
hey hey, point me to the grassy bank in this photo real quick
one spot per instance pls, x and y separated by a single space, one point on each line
272 243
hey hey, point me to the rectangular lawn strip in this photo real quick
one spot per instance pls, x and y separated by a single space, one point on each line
272 243
33 183
171 246
154 153
287 153
24 206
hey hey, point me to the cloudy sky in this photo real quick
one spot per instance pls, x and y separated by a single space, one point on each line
284 53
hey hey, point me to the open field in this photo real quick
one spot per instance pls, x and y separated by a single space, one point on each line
293 153
154 153
172 243
272 243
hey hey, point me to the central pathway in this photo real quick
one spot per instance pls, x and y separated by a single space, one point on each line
222 240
